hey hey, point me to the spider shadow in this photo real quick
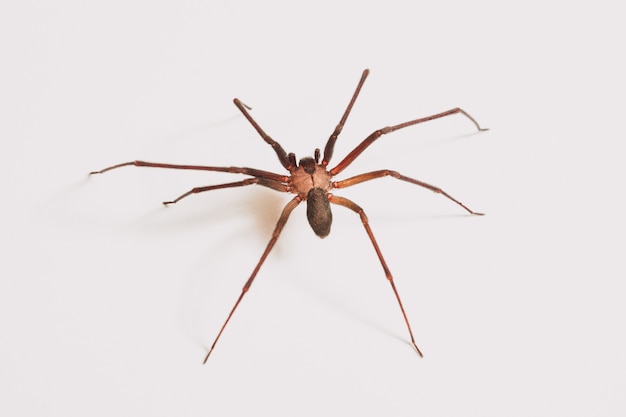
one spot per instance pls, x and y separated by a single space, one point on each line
353 313
436 141
249 215
350 312
62 193
191 133
408 217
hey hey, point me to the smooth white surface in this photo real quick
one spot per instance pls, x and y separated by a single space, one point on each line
108 301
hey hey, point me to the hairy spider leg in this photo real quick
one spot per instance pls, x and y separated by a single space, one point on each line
279 227
386 172
286 160
378 133
275 185
233 170
330 145
264 178
357 209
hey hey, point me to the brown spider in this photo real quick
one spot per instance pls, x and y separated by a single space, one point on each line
311 181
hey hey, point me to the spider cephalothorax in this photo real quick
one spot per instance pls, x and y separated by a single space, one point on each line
311 181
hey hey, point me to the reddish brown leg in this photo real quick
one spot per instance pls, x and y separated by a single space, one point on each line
371 138
275 185
279 227
280 152
330 145
233 170
357 209
385 172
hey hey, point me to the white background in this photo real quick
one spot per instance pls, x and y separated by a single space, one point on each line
108 300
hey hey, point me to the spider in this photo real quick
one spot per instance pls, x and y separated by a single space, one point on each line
311 181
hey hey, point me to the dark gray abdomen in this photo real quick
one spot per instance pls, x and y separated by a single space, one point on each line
318 212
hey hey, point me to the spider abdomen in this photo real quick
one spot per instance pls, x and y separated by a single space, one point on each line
318 211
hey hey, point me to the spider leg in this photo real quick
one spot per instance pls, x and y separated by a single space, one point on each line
279 227
280 152
275 185
378 133
330 145
385 172
357 209
233 170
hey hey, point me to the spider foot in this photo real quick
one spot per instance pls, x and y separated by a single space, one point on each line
419 352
